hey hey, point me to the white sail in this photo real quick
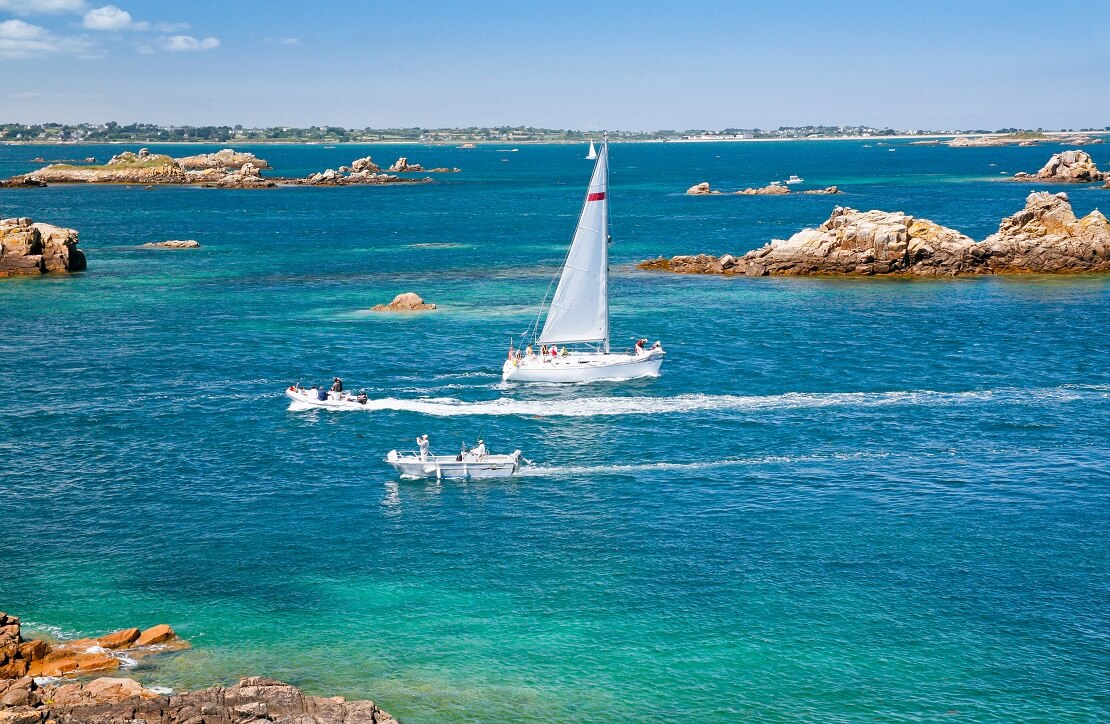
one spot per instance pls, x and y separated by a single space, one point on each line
593 152
579 310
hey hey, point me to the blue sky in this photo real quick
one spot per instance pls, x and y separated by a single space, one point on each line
628 65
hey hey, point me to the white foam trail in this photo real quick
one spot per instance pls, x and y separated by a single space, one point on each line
549 470
603 406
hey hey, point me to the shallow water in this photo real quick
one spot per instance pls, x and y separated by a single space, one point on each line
842 499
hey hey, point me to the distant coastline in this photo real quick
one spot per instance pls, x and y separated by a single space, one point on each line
501 142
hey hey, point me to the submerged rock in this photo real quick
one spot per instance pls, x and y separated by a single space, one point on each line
1066 167
406 302
30 248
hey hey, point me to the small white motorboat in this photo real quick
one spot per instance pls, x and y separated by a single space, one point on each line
317 397
794 180
462 466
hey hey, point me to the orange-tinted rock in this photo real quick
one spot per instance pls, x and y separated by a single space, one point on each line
406 302
32 650
155 635
119 639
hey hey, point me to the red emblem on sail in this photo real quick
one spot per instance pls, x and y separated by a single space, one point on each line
596 196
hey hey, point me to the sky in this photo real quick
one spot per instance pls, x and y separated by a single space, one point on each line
643 65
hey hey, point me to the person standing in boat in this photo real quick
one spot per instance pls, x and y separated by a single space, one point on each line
480 450
422 443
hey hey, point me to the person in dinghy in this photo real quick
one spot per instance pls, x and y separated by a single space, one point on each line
574 342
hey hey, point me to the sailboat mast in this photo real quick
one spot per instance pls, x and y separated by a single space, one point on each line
606 236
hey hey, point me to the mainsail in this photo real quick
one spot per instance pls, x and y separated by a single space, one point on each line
579 310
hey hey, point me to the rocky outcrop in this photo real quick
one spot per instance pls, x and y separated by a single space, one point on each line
407 302
1066 167
226 158
443 169
72 658
112 700
173 244
364 164
30 248
704 189
402 165
851 242
25 698
768 190
127 167
1046 238
247 177
213 170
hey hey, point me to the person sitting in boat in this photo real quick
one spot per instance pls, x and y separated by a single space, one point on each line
658 344
563 352
554 350
321 393
362 398
528 352
479 452
422 443
337 385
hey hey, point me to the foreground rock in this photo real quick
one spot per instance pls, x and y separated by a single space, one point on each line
1044 238
407 302
37 657
124 701
173 244
111 700
1066 167
701 189
30 248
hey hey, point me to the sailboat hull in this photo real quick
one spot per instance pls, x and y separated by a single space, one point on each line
584 367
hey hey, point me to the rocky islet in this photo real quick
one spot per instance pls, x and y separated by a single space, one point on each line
1044 237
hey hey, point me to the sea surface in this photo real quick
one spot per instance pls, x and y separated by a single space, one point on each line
842 499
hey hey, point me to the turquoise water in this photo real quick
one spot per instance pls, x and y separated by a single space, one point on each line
842 499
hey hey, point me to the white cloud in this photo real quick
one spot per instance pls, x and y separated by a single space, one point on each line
24 40
290 41
42 7
112 18
108 17
188 42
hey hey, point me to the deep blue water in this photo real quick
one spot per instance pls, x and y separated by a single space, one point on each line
843 499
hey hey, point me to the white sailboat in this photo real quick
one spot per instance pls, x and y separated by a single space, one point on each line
579 312
592 153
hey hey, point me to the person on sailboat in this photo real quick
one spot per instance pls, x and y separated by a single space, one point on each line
640 345
480 451
422 443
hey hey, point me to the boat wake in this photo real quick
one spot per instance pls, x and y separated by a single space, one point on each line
605 406
558 470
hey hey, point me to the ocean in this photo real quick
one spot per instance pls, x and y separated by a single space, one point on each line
841 500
